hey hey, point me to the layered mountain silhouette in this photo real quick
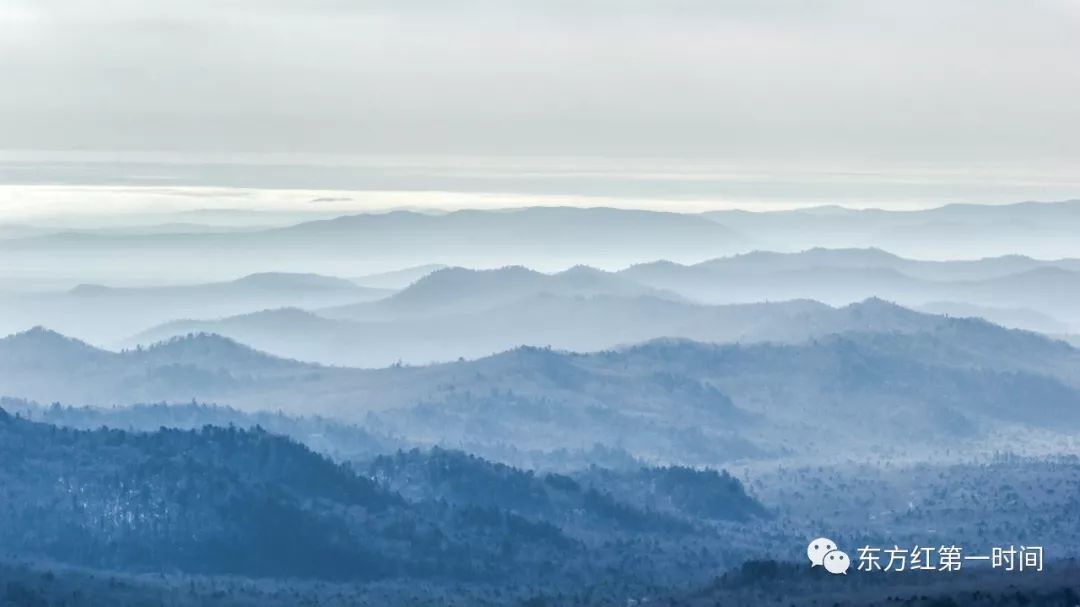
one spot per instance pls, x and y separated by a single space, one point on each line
118 312
545 238
460 290
455 312
885 375
948 232
352 245
556 230
839 277
565 322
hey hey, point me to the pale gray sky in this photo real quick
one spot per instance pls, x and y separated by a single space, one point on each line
914 80
793 94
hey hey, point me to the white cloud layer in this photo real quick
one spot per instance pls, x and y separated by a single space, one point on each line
919 80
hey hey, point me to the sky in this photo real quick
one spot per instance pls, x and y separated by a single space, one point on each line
986 92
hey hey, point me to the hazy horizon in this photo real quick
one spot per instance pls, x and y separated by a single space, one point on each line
687 106
43 186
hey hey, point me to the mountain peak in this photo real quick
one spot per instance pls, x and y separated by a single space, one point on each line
40 343
90 289
581 270
211 349
458 281
883 311
200 339
347 222
43 335
292 280
875 303
866 252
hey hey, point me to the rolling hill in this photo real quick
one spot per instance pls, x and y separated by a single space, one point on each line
840 277
576 323
562 322
891 377
539 237
209 501
461 290
458 313
118 312
946 232
231 502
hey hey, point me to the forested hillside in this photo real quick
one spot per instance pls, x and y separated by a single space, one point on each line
223 500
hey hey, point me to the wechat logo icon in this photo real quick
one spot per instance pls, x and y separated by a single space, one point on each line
824 553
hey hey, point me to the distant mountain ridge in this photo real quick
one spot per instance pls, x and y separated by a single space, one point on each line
533 236
458 313
565 322
117 312
870 257
671 401
550 237
263 281
1042 229
515 222
842 276
461 290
